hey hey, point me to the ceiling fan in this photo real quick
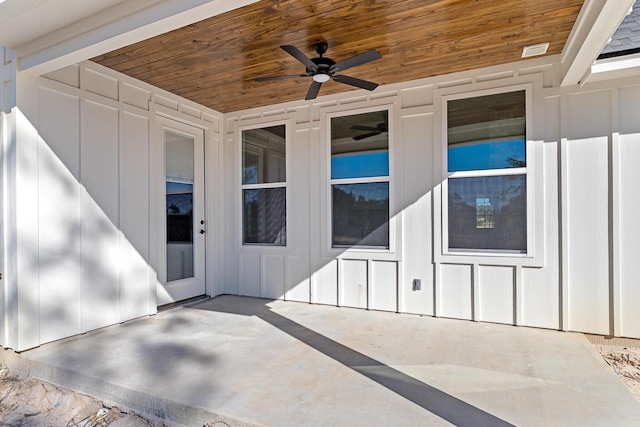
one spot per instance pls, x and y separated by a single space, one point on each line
322 68
372 130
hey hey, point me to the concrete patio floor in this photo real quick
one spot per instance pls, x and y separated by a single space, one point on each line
250 361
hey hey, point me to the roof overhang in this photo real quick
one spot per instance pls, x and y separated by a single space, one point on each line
46 35
597 22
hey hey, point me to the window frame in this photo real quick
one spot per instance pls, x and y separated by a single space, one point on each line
532 171
360 252
261 247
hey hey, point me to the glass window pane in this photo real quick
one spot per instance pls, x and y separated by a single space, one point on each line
179 212
487 155
361 214
264 155
179 169
264 216
360 145
488 213
179 157
360 165
486 132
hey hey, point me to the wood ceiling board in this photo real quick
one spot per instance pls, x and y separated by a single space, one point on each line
214 61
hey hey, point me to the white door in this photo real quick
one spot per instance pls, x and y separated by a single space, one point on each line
184 225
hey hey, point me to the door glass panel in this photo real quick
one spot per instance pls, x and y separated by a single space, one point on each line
179 167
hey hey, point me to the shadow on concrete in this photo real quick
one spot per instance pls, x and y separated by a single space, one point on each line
430 398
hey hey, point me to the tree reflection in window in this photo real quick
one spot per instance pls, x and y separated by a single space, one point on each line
487 172
264 202
179 212
360 180
361 214
508 206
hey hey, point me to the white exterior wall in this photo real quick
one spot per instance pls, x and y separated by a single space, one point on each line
82 173
88 183
582 275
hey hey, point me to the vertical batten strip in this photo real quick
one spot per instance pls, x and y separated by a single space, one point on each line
475 292
518 302
615 314
399 284
564 217
340 270
437 274
369 284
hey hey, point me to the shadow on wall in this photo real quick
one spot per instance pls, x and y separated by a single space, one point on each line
82 271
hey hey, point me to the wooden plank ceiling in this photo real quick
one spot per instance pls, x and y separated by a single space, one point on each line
214 62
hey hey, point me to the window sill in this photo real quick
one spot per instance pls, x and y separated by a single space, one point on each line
364 253
490 258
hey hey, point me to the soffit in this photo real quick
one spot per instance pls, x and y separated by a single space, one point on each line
214 62
22 21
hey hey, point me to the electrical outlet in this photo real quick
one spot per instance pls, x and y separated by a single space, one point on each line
417 284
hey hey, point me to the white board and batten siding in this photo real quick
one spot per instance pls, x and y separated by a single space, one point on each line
585 143
86 191
89 166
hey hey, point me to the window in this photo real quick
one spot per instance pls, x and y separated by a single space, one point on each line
264 208
484 213
487 168
360 180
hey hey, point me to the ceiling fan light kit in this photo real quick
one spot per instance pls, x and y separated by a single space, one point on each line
321 78
322 69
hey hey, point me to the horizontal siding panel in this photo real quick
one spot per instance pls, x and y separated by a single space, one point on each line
134 96
100 84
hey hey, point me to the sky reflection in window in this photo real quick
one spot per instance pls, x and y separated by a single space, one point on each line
487 155
360 165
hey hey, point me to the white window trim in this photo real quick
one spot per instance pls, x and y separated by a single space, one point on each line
240 187
535 200
360 252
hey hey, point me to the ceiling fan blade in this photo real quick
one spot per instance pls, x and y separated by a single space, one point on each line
296 53
353 81
361 127
363 58
313 90
366 135
290 76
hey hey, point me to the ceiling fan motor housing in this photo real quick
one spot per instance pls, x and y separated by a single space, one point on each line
324 66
